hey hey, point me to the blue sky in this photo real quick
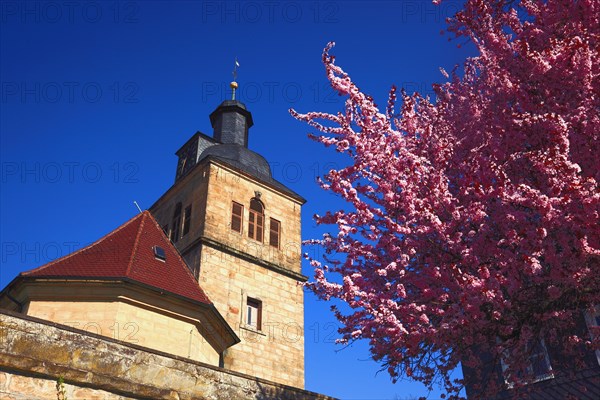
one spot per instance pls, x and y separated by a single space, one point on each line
96 97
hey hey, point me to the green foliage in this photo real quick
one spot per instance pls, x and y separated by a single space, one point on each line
61 393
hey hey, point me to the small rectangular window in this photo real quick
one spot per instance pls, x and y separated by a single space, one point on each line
540 366
254 313
159 253
274 229
187 219
237 210
537 369
175 233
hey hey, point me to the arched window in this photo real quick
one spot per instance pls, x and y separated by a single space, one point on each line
176 223
256 220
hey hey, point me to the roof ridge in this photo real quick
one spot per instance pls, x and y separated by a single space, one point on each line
94 243
136 243
128 257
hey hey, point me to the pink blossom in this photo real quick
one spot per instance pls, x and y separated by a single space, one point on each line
474 216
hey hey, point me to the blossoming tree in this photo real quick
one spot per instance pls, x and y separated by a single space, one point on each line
472 220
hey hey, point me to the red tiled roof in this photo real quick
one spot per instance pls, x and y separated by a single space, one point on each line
127 253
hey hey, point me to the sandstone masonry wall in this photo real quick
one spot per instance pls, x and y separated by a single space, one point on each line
34 353
231 267
131 324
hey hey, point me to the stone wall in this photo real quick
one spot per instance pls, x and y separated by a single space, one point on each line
276 351
226 186
231 267
190 190
34 353
129 323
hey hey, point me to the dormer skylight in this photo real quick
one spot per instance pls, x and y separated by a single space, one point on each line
159 253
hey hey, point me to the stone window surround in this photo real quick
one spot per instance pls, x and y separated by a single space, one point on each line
243 323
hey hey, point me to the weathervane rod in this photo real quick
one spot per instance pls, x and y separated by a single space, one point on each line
234 84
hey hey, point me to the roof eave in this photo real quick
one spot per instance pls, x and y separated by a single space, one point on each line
228 339
283 188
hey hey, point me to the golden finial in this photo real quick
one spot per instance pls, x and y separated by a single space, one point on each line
234 84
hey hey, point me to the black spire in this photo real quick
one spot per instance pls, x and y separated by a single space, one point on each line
230 122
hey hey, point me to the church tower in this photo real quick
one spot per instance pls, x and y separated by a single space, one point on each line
238 230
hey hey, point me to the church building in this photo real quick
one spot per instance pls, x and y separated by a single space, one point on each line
197 297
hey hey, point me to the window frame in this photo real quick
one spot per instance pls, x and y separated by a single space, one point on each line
176 223
510 381
243 314
187 220
240 216
253 304
277 232
256 221
159 253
